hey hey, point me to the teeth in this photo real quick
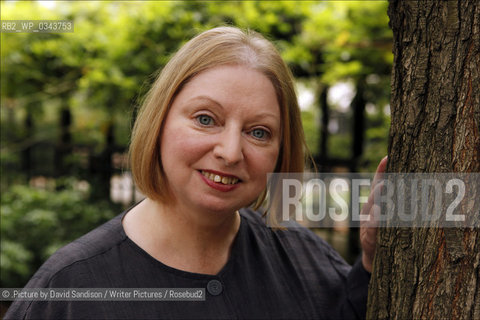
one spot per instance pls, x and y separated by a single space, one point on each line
217 178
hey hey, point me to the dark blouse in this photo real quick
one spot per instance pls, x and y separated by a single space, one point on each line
281 274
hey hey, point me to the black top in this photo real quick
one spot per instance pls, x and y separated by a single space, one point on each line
270 274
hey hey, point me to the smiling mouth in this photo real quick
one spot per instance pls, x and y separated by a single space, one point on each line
219 179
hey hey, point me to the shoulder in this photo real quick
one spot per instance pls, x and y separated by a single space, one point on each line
298 255
90 245
294 232
71 266
297 241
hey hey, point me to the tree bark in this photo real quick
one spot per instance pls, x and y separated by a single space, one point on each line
432 273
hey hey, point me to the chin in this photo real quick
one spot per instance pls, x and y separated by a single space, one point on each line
223 206
220 208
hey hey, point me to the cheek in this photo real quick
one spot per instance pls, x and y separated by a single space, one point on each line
180 146
264 161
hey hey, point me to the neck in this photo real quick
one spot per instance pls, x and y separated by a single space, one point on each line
192 241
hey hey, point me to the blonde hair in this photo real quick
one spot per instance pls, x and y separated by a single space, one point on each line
212 48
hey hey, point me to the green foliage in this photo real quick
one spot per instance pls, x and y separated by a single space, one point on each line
376 137
311 131
339 146
103 68
37 222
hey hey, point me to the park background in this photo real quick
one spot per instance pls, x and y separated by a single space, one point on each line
68 102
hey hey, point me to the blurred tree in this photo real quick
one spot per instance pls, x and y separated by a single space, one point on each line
341 42
36 73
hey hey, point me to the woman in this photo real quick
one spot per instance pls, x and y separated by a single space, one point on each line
220 116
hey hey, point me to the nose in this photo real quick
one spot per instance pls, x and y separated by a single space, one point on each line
229 146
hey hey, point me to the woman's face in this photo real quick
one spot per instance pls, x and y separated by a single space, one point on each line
221 138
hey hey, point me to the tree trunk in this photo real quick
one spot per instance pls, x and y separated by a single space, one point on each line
358 123
323 141
64 146
27 152
358 132
432 273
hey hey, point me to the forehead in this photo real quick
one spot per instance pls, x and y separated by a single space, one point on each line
234 87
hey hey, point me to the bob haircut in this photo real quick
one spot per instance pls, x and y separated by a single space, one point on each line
213 48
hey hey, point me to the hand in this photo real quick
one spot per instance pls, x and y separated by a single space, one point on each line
368 229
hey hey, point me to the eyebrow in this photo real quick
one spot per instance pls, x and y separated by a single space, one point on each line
208 99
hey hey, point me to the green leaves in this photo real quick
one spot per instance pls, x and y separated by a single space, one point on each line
36 222
117 46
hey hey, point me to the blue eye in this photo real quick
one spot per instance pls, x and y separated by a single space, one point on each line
259 134
204 120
